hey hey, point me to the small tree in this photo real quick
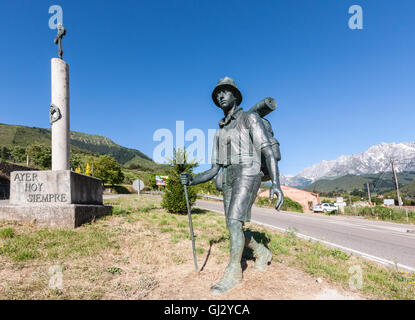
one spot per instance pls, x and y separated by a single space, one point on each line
75 160
91 161
40 155
108 170
5 153
174 200
18 154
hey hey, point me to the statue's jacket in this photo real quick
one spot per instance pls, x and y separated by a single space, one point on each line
237 149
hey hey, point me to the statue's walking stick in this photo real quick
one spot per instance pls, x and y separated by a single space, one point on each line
191 227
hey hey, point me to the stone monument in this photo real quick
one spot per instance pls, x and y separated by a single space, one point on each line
58 197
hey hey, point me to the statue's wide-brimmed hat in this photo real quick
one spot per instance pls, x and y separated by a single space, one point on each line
227 83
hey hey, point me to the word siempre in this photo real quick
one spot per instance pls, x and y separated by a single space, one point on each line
33 186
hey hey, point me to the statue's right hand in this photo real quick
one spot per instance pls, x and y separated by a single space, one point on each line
186 178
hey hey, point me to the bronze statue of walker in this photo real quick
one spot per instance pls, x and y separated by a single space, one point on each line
244 154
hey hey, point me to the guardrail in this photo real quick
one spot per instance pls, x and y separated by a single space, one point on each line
210 197
207 196
153 192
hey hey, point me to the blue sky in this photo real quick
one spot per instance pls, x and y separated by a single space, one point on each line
137 66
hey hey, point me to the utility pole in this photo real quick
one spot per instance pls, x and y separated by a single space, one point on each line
368 193
370 200
396 185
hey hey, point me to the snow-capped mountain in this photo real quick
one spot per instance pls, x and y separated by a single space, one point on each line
374 160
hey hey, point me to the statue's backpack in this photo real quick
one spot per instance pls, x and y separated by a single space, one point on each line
275 145
264 108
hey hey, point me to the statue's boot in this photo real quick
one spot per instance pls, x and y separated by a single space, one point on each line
231 278
262 255
233 271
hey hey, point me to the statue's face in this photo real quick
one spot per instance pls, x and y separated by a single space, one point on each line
226 99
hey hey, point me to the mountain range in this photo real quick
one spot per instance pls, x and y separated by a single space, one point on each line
374 160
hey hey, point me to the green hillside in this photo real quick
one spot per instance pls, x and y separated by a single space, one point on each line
23 136
103 145
378 183
80 143
345 183
408 190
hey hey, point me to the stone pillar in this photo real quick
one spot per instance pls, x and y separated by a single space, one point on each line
60 128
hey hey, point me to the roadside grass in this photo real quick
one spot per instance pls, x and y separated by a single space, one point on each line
115 257
47 244
378 213
382 213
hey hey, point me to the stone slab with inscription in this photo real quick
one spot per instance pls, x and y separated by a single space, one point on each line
60 198
59 187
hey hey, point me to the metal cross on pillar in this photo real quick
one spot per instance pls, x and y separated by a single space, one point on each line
58 39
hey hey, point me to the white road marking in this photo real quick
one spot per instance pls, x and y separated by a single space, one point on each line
359 253
356 252
342 221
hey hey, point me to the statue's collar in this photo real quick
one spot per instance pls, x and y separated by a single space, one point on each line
227 119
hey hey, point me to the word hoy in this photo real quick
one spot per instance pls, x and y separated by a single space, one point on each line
33 187
217 310
31 184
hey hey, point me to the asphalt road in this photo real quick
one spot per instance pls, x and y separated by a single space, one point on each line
383 242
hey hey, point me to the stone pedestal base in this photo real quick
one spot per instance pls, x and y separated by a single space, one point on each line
65 216
60 198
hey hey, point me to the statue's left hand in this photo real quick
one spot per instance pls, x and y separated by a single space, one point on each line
278 192
186 178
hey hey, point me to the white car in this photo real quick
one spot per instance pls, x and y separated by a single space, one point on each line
324 207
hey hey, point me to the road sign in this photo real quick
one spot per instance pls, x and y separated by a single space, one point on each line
138 185
389 202
161 180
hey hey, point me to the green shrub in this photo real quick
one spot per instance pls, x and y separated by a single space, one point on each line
108 170
174 200
383 213
288 205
